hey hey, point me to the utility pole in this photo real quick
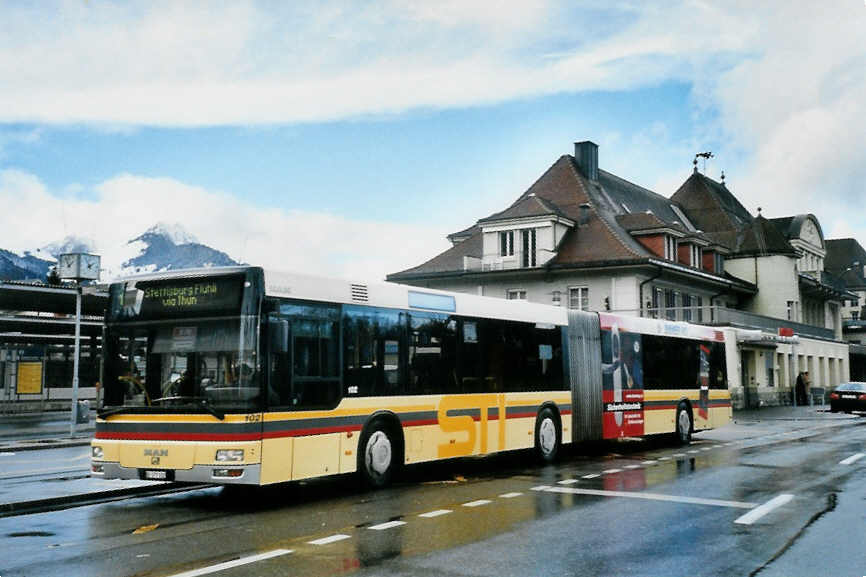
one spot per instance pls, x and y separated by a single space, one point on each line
77 267
75 361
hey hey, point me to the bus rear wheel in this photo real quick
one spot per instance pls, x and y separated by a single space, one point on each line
548 435
683 434
379 454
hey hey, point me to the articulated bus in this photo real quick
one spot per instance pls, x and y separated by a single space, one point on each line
237 375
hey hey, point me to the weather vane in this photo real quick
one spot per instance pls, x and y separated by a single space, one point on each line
705 156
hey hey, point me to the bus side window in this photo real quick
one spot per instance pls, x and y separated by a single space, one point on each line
432 354
373 351
308 374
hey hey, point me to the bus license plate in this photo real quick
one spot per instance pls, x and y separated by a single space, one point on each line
157 475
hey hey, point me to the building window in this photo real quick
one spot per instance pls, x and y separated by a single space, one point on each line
557 298
670 248
506 243
578 298
515 294
699 309
528 236
687 308
719 262
658 302
855 315
695 252
670 305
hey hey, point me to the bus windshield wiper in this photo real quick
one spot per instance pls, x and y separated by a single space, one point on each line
218 414
203 403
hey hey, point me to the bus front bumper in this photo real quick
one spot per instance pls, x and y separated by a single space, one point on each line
219 473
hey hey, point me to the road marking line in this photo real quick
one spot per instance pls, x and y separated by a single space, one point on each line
328 540
852 459
435 513
477 503
7 454
649 462
567 482
388 525
759 512
591 476
706 448
234 563
510 495
540 488
632 466
652 497
693 452
666 458
611 471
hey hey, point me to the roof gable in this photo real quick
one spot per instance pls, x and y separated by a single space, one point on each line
710 205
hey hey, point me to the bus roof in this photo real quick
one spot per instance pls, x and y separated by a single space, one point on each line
392 295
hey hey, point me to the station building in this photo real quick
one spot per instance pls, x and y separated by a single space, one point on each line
584 238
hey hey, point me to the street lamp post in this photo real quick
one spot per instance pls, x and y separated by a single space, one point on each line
78 267
75 361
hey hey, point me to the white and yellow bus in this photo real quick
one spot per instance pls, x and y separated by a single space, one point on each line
238 375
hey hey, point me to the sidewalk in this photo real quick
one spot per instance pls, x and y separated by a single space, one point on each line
48 430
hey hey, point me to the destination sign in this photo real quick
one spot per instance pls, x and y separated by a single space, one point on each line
158 299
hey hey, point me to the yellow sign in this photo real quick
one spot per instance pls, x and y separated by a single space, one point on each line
29 378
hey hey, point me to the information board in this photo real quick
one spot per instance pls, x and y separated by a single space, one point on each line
29 378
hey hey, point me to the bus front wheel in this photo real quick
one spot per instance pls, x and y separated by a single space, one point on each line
548 435
684 425
378 455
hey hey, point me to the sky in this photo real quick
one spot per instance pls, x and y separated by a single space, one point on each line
347 139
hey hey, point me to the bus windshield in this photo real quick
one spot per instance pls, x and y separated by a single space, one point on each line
209 364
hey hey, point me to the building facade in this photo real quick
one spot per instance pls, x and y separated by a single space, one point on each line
584 238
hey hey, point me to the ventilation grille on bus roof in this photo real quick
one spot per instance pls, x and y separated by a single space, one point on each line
359 293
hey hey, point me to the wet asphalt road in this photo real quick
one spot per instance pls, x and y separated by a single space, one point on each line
638 508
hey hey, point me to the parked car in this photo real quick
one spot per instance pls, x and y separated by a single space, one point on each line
848 397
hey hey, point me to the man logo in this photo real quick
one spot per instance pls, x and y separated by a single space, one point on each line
154 460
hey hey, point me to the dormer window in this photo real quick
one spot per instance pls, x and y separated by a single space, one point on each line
506 243
695 256
670 247
529 258
719 262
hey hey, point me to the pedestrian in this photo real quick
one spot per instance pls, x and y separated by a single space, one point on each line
801 388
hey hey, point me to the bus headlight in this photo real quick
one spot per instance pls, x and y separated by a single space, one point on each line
224 455
96 452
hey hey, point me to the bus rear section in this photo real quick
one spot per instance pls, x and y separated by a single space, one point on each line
633 377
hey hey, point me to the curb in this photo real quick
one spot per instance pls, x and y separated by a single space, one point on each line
49 444
81 500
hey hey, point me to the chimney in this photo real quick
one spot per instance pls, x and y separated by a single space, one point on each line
586 157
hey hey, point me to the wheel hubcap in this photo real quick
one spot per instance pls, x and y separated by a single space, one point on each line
547 436
378 453
685 425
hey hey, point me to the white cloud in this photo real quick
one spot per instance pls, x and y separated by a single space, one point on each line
127 205
183 64
798 107
781 84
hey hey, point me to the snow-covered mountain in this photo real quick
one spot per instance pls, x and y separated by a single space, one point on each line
161 247
166 247
27 267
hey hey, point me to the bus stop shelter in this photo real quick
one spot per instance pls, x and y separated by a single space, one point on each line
37 343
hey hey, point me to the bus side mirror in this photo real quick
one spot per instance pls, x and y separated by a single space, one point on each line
278 336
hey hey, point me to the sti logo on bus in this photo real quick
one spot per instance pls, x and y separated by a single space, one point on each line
457 415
